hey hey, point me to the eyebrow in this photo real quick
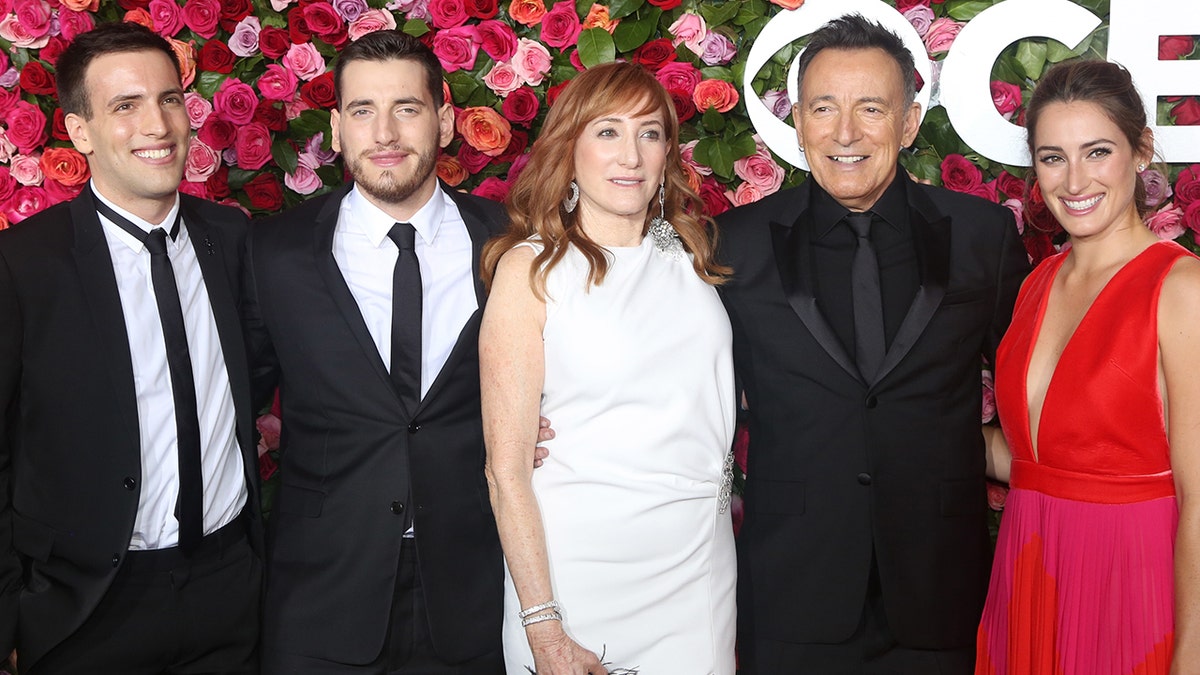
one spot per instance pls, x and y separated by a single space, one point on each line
407 100
1089 144
617 120
865 99
124 98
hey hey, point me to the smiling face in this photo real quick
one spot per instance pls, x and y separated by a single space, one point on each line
389 131
619 162
1086 168
136 141
851 120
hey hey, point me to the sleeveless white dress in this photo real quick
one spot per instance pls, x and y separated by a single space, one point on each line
639 390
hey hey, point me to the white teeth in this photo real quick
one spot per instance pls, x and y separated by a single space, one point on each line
626 182
849 159
153 154
1085 204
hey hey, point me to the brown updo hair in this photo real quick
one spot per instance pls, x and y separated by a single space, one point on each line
1105 85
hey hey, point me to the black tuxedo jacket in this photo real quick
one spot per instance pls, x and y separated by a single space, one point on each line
70 455
839 466
353 461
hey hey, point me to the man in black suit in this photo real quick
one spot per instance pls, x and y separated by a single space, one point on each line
861 305
127 467
365 304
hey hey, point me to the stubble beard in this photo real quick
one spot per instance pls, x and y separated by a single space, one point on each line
388 188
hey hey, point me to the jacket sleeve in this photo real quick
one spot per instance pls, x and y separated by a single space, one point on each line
1010 274
10 376
260 351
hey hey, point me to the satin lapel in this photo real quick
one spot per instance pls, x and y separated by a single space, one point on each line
99 286
331 274
931 237
792 244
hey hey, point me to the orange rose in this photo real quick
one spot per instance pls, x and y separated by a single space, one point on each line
185 52
450 171
527 12
140 17
65 165
3 221
788 4
81 5
598 18
485 130
693 178
717 94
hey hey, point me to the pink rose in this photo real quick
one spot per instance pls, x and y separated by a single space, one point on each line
941 35
531 61
521 105
7 185
304 61
72 23
1018 210
457 47
35 15
253 146
244 41
561 25
690 30
679 76
492 188
502 79
198 109
989 397
26 126
277 84
1006 97
921 17
1191 218
717 94
498 39
202 16
7 149
188 187
168 18
447 13
997 495
304 180
25 202
369 22
1158 188
1167 223
269 429
235 101
778 103
761 171
27 169
745 194
960 175
19 35
716 49
202 161
687 152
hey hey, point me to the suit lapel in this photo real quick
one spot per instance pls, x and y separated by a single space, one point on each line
792 244
335 283
99 287
931 238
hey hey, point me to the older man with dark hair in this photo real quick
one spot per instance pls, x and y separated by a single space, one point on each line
862 304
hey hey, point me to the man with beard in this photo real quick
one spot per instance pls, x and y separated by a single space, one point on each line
364 306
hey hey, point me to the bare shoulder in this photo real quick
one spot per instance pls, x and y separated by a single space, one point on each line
1179 299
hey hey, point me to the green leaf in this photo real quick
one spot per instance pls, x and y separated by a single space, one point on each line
582 7
239 177
284 154
719 15
415 27
1098 7
619 9
965 10
750 11
715 154
633 33
1057 51
712 120
596 47
1031 58
717 73
462 85
740 145
207 83
308 124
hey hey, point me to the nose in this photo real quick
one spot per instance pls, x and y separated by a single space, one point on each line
154 121
630 152
387 129
1077 180
846 129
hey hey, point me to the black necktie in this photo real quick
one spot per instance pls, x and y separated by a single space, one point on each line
190 508
867 297
406 317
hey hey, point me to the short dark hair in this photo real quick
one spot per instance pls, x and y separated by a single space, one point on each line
1106 85
854 32
106 38
388 45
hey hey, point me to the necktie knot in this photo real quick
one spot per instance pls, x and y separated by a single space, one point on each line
860 224
156 241
404 236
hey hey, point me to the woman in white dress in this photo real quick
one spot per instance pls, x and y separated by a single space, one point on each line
604 318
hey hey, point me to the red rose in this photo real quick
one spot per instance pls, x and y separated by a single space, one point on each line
482 9
960 175
253 145
202 16
274 42
233 11
685 107
53 48
26 126
1187 111
194 189
1010 185
1187 187
498 40
272 115
1038 245
318 93
298 30
129 5
215 57
521 106
265 192
666 5
655 54
65 165
218 183
492 188
516 147
217 133
322 19
447 13
553 92
35 79
713 196
471 159
903 6
561 26
8 184
58 126
1037 215
1174 47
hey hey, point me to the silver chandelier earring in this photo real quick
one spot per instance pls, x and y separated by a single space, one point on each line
666 239
571 202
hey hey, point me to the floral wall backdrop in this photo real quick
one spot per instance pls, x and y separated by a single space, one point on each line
259 90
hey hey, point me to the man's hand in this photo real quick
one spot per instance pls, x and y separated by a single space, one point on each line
545 433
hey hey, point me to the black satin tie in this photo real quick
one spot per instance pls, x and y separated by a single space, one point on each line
406 317
190 507
867 296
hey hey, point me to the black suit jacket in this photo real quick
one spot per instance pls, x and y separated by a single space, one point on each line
839 466
353 460
70 453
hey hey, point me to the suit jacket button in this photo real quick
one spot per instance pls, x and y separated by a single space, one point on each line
864 479
130 483
414 428
872 401
116 559
397 507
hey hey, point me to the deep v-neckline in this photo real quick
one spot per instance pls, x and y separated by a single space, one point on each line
1037 331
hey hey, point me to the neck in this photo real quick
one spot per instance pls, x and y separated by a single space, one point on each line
613 230
151 210
403 210
1115 246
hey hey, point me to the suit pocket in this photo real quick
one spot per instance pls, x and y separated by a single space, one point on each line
967 296
963 497
780 497
299 501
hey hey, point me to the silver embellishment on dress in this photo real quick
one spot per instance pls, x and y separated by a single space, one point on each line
724 496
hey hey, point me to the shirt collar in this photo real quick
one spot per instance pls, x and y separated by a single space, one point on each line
375 224
891 207
127 238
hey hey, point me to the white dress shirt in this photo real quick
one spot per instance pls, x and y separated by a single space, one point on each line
221 460
367 259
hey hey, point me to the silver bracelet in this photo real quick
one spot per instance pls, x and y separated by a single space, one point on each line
553 604
549 616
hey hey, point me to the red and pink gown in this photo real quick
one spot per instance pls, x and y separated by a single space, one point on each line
1083 579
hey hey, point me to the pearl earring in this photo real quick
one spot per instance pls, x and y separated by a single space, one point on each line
1141 167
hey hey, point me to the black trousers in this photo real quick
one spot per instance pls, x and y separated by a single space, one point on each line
166 613
408 648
